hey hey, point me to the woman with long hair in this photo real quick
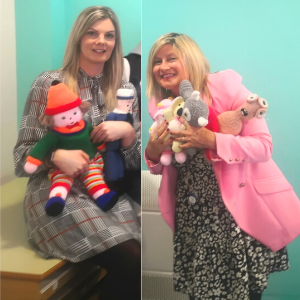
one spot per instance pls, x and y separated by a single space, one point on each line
92 68
229 215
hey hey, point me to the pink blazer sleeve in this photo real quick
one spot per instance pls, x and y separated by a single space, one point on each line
254 144
153 168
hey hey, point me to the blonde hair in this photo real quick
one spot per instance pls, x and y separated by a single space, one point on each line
113 68
194 61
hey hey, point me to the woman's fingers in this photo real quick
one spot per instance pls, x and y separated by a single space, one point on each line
182 139
93 133
85 156
159 134
185 146
97 135
161 128
163 136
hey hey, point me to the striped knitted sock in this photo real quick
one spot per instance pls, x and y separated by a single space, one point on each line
60 186
96 186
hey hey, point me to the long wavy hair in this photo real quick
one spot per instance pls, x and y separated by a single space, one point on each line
113 68
194 62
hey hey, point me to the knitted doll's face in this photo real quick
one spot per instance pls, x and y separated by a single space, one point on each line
168 69
125 105
97 44
67 118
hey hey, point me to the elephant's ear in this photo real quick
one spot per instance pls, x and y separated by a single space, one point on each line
185 89
195 95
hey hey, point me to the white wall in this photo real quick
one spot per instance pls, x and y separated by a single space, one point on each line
8 89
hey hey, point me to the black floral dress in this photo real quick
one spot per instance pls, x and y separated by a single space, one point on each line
213 258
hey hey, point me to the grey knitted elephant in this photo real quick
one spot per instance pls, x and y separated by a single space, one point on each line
195 110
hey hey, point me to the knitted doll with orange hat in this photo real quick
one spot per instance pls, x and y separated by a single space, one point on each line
70 132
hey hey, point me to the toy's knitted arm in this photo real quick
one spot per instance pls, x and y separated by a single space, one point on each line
40 151
132 154
31 130
110 117
42 147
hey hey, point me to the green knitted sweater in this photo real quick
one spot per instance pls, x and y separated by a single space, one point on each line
79 140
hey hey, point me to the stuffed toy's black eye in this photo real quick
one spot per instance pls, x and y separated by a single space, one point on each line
187 114
63 118
244 112
75 112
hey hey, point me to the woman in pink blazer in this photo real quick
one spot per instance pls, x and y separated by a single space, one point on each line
231 218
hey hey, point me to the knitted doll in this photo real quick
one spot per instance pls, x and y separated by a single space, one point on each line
230 122
195 110
159 115
114 165
172 116
70 132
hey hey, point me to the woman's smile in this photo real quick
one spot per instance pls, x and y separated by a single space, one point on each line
99 50
168 76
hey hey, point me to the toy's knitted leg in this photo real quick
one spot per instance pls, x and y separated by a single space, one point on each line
114 165
180 157
166 157
60 187
96 186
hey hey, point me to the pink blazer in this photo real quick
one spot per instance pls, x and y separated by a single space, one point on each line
254 190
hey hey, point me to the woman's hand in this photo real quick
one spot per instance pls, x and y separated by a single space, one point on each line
71 162
109 131
157 143
194 137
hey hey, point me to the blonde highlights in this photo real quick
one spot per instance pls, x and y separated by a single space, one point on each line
113 68
194 61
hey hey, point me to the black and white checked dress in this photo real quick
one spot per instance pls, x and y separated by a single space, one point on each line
213 258
82 230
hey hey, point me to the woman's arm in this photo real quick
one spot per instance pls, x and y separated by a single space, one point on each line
132 143
254 144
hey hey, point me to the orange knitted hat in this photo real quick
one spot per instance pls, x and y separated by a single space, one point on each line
60 99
